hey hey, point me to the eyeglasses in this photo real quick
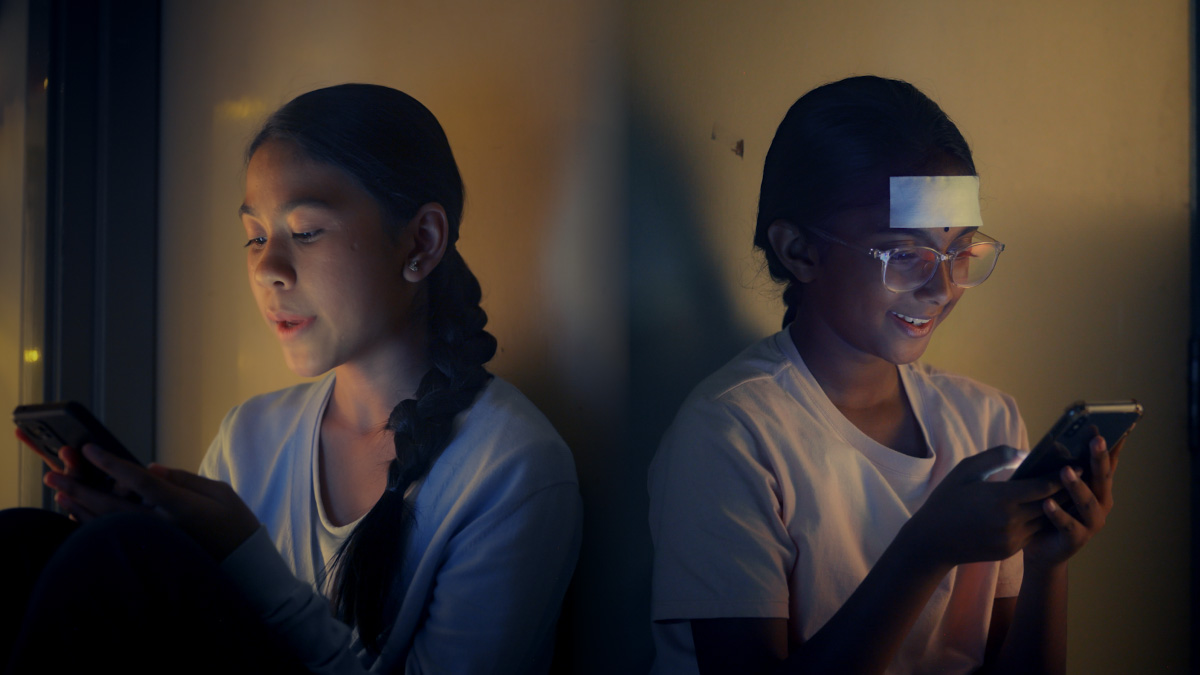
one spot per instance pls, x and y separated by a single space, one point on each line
908 268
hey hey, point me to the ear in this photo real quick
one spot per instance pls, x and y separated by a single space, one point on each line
430 230
795 249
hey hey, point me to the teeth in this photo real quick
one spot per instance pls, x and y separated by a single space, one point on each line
913 320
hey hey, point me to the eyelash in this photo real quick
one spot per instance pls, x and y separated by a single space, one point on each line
302 237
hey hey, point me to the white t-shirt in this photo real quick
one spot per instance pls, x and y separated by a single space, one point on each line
765 501
493 544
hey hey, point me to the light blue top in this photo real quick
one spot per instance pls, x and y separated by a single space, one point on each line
493 546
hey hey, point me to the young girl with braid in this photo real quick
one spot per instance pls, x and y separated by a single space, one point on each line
427 502
821 504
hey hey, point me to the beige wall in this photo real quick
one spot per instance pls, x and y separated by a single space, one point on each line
1078 116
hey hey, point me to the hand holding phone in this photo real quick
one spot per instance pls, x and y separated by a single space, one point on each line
48 427
1088 438
1068 441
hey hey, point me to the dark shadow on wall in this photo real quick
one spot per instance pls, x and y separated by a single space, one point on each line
681 318
682 322
681 328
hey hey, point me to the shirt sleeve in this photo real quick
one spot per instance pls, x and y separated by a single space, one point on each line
721 548
496 599
293 610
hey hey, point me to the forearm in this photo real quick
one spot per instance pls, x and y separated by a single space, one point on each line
866 633
1037 640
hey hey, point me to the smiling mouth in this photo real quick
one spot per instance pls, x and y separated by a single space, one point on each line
912 320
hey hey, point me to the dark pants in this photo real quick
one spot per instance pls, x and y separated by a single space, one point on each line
129 593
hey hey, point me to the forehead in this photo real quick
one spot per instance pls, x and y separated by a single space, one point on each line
871 223
280 174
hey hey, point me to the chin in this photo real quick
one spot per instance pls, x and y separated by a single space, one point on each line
910 355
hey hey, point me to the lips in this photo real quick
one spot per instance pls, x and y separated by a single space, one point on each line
914 326
288 324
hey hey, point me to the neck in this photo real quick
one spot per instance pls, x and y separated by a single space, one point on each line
850 378
370 386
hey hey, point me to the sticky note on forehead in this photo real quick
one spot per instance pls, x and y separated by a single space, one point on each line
934 201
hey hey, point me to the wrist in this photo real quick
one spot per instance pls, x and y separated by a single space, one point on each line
1048 570
918 552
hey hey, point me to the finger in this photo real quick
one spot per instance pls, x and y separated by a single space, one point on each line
978 467
1062 520
1091 512
189 481
74 463
1115 453
72 508
47 457
87 501
152 488
1031 513
1028 489
1102 474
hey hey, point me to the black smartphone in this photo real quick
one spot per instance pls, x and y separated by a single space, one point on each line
52 425
1069 440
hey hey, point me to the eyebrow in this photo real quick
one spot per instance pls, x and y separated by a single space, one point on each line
311 202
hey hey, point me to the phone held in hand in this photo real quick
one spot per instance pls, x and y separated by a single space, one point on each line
1069 441
53 425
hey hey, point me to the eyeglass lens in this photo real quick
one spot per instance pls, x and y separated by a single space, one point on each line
908 269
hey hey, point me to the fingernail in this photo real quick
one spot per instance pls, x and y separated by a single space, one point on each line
1068 474
1051 505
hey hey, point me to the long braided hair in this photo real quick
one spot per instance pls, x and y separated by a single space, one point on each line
836 148
395 148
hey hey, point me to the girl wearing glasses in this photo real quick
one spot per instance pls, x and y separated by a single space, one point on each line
425 502
821 504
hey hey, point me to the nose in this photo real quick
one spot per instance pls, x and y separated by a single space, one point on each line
939 289
273 267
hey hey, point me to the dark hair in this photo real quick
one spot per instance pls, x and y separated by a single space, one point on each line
836 148
395 148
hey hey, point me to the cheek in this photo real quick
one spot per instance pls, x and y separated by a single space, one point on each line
256 289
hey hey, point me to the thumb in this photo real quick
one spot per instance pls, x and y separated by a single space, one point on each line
979 467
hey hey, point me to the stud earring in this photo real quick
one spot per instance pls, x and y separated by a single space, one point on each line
412 265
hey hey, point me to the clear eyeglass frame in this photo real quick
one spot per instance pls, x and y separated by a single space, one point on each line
950 256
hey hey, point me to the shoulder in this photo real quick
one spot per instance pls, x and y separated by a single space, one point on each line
729 421
263 422
749 394
757 380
